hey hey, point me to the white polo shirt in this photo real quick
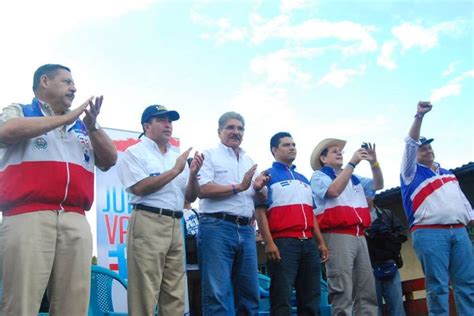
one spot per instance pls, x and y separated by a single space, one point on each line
221 166
144 160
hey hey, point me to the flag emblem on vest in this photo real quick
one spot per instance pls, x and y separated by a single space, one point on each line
41 143
87 157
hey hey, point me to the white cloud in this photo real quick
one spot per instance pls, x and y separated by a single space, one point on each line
450 69
340 77
226 31
278 66
356 37
266 111
31 32
385 58
290 5
466 75
452 88
359 36
54 18
413 35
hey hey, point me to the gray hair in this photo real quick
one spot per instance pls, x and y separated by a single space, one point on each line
229 116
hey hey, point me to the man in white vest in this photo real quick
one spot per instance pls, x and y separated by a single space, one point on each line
46 185
437 212
343 214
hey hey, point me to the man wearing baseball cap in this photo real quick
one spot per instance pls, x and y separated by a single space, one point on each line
342 214
158 181
437 212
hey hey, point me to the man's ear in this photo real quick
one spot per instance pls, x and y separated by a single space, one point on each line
273 151
44 81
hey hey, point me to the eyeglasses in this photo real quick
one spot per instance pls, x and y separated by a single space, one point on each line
336 151
231 128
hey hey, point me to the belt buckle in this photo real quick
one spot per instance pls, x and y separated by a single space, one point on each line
237 218
303 238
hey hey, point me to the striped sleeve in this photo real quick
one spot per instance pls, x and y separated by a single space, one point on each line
408 167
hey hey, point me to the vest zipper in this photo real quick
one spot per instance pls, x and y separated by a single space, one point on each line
302 208
68 178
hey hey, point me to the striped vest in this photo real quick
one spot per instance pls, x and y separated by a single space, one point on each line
434 199
53 171
290 203
346 214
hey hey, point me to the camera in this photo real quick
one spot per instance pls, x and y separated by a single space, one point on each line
365 146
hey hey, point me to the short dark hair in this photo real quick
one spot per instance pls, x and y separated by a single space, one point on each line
323 153
48 70
275 140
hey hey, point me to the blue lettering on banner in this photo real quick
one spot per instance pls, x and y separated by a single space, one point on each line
117 201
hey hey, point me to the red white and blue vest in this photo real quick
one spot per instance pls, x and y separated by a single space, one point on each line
346 214
434 199
290 203
53 171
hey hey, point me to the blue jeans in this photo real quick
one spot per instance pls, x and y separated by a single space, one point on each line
299 267
446 254
391 291
228 263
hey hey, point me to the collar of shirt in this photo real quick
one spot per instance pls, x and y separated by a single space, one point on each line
230 151
435 164
284 166
152 145
46 108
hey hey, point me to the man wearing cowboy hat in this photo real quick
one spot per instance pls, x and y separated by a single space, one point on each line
343 214
438 212
158 181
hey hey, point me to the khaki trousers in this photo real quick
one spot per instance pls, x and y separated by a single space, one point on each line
155 262
46 249
350 277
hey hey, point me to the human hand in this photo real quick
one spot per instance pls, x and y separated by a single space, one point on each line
181 161
371 154
247 180
272 252
261 181
423 107
196 164
359 155
73 115
90 119
324 252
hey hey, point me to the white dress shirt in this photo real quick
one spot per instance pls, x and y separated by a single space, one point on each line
222 167
144 160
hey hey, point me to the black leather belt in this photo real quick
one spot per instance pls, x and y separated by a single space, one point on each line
241 220
161 211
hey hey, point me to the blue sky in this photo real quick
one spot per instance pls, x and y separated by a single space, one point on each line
348 69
